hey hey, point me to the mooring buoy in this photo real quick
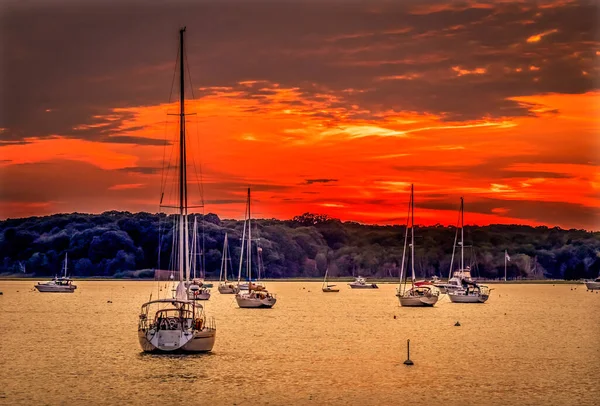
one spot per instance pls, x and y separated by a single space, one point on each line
408 361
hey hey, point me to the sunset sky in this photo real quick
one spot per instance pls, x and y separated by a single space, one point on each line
330 107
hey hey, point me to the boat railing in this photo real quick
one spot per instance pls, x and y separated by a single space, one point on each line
211 324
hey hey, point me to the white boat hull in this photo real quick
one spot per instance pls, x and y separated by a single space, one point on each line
227 290
461 298
55 288
367 286
418 301
255 303
169 341
592 285
199 296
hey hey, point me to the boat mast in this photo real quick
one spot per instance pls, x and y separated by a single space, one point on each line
242 247
223 260
249 241
183 223
462 234
65 265
412 235
400 288
194 261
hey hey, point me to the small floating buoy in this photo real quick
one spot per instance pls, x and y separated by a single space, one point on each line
303 287
394 317
309 291
109 301
457 324
408 361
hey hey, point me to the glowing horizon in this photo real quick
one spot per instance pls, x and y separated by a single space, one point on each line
339 122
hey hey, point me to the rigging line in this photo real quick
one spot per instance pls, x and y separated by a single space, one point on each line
199 183
162 179
166 122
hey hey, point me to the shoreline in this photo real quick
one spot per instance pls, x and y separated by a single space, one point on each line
386 281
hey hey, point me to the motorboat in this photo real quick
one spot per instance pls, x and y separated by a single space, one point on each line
361 283
62 284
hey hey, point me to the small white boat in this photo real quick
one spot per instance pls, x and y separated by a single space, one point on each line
196 289
469 291
361 283
64 284
420 294
256 295
225 286
593 285
473 293
455 283
327 288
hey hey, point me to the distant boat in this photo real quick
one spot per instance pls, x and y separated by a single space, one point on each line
593 285
469 291
327 288
62 284
225 286
196 288
177 323
420 294
361 283
256 295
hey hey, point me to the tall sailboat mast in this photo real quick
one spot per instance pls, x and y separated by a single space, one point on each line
65 265
412 234
462 235
249 241
183 223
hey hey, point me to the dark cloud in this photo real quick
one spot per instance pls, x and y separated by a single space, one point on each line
146 170
500 167
81 60
312 181
560 213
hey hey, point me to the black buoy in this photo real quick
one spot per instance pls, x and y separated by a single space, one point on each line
394 317
408 361
457 324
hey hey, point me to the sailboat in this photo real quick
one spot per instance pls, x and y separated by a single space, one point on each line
468 291
327 287
177 324
256 295
62 284
421 294
196 289
225 286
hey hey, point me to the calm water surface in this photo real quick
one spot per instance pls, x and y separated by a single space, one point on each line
529 345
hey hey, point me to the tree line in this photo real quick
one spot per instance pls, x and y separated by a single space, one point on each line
123 244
